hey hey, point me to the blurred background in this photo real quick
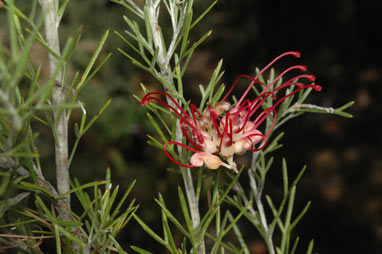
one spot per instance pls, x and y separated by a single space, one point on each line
340 41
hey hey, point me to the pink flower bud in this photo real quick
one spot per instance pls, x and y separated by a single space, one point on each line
242 145
211 161
222 107
227 150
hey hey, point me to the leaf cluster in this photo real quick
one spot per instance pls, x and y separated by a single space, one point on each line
31 209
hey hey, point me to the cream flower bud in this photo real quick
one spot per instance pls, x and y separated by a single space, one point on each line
242 145
250 132
205 123
249 125
227 150
222 107
255 135
211 161
209 146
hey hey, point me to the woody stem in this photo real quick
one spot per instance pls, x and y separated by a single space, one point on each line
58 97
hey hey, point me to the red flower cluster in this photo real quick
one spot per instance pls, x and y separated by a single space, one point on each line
226 130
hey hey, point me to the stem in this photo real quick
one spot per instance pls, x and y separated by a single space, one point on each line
163 61
298 107
193 202
153 13
58 98
257 191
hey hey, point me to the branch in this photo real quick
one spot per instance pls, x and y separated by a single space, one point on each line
257 191
58 98
153 13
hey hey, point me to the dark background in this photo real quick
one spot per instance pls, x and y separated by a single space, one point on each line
340 43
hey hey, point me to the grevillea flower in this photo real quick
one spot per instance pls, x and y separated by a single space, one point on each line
223 130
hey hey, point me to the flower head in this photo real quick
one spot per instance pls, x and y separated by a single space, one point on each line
225 129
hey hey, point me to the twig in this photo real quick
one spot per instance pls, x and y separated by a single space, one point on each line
257 191
136 7
298 107
176 27
58 97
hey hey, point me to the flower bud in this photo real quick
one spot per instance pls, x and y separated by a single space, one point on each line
209 146
222 107
211 161
227 150
205 123
242 145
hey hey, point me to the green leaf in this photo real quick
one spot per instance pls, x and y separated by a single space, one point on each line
45 91
139 250
202 15
299 217
286 235
200 182
310 247
135 62
218 95
206 220
187 216
131 6
285 176
169 215
14 224
239 236
294 247
96 116
34 187
276 214
300 174
220 233
148 230
69 235
179 78
339 111
148 28
153 142
157 128
274 144
290 206
197 43
5 177
62 8
303 94
229 246
81 187
122 200
236 219
211 85
41 204
95 71
168 234
138 37
41 41
58 239
186 31
117 245
12 28
82 83
134 48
